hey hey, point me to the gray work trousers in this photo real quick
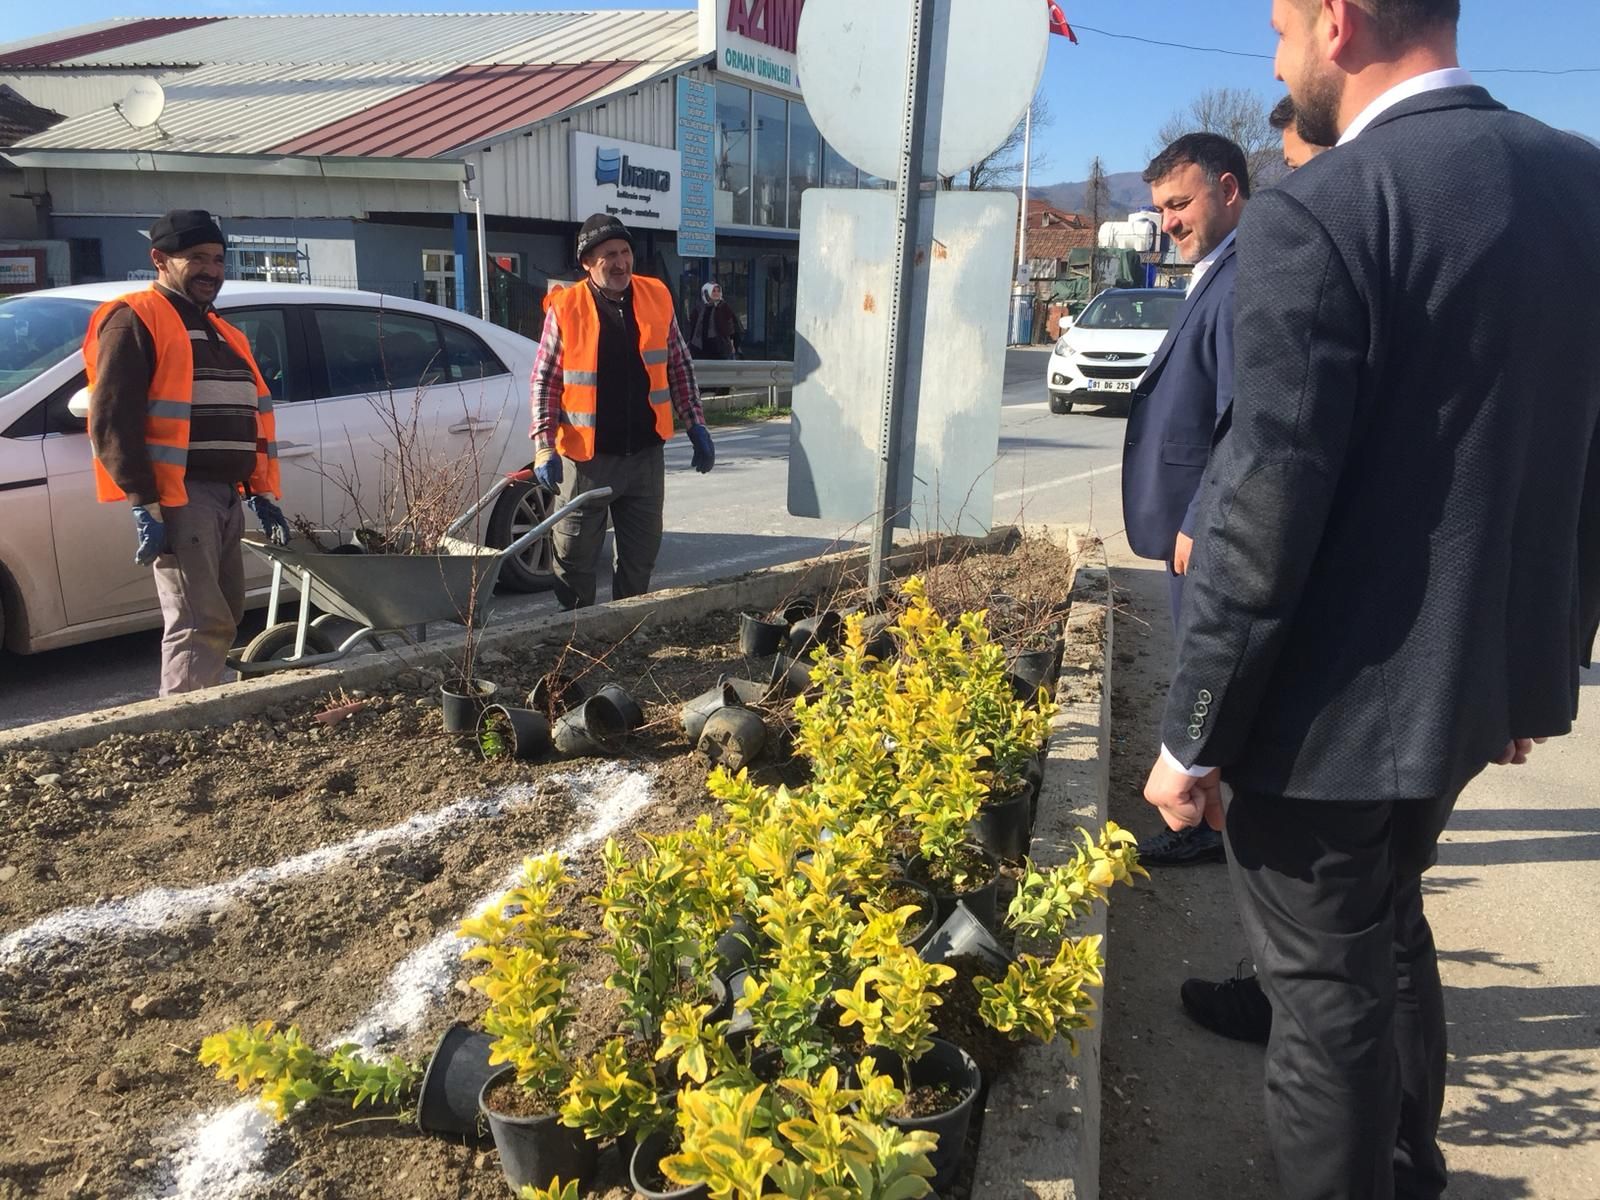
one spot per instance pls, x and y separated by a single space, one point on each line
200 582
639 486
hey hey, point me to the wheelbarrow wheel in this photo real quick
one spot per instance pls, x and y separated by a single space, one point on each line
276 643
520 508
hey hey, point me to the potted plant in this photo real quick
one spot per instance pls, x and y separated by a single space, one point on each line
530 1014
1047 997
892 1003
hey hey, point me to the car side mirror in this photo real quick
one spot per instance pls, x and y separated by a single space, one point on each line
78 406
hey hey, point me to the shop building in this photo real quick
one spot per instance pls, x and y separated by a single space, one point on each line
358 151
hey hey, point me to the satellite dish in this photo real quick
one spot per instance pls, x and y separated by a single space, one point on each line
143 105
854 58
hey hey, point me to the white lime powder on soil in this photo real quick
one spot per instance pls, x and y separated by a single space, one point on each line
162 907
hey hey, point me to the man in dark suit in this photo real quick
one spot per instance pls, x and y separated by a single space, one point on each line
1395 580
1200 184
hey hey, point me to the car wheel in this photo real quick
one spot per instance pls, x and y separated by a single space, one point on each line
1060 404
522 507
276 643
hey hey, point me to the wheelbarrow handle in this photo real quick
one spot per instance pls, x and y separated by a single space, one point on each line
597 496
488 498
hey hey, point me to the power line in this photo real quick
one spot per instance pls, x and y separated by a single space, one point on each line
1133 37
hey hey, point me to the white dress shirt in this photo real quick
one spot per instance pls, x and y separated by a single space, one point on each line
1209 261
1417 85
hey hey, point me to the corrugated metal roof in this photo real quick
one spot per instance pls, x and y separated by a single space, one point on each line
244 110
461 38
464 106
114 38
396 86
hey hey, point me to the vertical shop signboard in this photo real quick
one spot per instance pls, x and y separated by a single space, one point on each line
697 228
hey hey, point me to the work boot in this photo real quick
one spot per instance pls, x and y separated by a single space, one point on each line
1182 848
1236 1008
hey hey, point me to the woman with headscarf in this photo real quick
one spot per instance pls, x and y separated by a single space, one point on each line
714 330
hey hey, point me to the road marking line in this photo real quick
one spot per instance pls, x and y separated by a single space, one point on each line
1055 483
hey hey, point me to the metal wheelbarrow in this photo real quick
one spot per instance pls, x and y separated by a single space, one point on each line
382 593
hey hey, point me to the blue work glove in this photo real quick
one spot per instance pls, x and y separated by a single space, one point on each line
271 518
705 454
152 536
548 473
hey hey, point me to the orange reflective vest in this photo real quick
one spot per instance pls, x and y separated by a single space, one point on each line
166 426
579 322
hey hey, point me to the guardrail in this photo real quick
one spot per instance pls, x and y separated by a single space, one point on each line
746 375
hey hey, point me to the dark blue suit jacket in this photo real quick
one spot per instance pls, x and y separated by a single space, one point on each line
1181 407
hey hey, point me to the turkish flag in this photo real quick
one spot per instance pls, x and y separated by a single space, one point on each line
1058 22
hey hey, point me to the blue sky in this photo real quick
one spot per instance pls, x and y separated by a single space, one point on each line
1108 96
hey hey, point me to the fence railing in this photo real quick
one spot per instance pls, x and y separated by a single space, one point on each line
746 375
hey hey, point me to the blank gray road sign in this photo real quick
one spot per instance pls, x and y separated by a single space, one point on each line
952 427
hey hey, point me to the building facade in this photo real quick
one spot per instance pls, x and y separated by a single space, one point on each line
369 151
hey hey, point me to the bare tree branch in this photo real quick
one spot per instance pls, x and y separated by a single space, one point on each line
1237 114
1002 167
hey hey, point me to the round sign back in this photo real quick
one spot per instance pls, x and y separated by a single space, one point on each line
854 56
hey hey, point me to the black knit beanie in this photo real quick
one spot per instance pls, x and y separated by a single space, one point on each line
601 228
185 227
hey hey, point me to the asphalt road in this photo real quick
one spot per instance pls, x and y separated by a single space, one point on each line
1050 468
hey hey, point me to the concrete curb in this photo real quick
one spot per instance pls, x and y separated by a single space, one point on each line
616 620
1041 1131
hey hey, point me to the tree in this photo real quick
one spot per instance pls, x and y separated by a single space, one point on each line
1237 114
1001 168
1097 203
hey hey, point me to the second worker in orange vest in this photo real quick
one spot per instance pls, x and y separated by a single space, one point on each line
611 373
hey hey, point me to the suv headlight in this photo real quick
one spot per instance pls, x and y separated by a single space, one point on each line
1063 347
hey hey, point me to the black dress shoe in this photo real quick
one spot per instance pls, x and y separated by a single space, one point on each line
1182 848
1235 1008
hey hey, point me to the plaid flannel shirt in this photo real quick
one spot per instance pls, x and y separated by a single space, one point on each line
547 383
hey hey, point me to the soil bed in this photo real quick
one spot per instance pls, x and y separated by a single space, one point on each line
159 888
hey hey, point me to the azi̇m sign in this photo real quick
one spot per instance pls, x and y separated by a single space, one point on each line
635 183
756 40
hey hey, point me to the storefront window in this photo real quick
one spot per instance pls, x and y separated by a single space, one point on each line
836 173
733 154
805 159
772 161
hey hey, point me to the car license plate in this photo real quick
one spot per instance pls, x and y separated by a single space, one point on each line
1111 385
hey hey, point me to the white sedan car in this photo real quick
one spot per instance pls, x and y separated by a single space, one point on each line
340 365
1107 351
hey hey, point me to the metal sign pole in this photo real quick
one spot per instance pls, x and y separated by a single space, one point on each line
908 197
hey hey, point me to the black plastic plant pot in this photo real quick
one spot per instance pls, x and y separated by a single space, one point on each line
824 629
721 998
979 899
556 691
759 638
627 707
534 1150
798 609
962 934
733 737
791 676
462 709
928 917
945 1065
644 1172
590 729
1005 827
698 710
448 1103
736 948
1032 769
1031 670
525 734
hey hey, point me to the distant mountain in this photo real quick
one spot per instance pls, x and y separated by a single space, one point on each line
1128 193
